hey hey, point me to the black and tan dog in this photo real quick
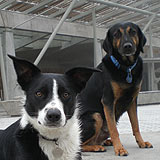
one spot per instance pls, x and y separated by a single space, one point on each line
114 91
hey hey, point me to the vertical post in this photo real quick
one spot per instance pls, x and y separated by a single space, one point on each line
54 33
97 45
148 24
11 78
151 70
3 73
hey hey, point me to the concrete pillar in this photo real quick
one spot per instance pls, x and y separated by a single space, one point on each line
3 73
151 71
98 54
97 44
11 78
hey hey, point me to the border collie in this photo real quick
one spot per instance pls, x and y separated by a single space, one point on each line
49 128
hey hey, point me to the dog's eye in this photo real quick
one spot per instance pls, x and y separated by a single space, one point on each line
38 94
132 32
65 95
117 34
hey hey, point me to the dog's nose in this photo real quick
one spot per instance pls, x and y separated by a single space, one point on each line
127 45
53 115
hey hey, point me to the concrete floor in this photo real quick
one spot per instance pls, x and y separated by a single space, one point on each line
130 145
149 120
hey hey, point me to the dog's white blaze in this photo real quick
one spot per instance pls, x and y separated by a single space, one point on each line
54 103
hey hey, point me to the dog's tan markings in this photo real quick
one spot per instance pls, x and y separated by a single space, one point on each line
110 118
132 112
116 43
131 59
89 145
98 125
128 29
121 30
135 40
135 94
117 90
120 39
93 148
118 148
108 142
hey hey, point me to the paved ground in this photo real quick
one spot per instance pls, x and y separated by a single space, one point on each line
149 120
135 153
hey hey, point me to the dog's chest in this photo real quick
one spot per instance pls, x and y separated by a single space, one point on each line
66 147
124 94
50 149
56 151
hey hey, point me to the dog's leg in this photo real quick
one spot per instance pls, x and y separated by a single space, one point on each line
90 144
111 122
132 112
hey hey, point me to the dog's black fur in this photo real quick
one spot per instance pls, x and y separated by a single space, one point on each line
109 94
21 140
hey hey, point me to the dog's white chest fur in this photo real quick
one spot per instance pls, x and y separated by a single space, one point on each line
68 142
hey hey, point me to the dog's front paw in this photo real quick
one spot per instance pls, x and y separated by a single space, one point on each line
98 148
145 145
120 151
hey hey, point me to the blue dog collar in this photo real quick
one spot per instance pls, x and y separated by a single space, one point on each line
129 78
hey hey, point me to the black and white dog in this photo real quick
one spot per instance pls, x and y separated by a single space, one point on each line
49 126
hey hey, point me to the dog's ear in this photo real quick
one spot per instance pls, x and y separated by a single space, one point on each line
142 40
25 71
107 44
80 76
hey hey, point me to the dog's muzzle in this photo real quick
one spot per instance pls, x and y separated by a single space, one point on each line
128 49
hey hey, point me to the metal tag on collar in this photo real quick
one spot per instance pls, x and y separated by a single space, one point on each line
57 152
129 70
129 76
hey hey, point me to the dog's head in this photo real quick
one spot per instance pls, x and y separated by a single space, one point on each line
124 40
50 98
